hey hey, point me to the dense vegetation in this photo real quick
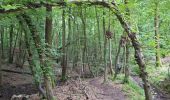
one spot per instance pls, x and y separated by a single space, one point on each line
115 38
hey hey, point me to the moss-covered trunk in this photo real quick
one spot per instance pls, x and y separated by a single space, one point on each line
138 52
43 61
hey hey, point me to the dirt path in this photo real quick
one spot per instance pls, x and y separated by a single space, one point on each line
90 89
108 91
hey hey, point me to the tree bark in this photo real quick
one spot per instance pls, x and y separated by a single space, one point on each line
43 61
84 49
0 72
138 52
105 49
157 40
48 26
30 53
127 46
117 60
2 42
63 63
110 48
98 32
110 56
11 43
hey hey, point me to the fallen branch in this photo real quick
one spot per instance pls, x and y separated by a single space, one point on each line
12 71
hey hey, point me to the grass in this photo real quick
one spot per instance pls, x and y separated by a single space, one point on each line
131 89
157 74
159 77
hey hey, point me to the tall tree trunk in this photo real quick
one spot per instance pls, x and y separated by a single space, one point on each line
69 39
105 48
110 48
10 44
117 60
0 72
2 42
63 63
48 26
84 58
30 53
138 52
126 78
48 33
43 61
98 32
127 46
157 40
110 56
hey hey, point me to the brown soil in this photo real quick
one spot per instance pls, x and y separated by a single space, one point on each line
73 89
109 91
14 83
90 89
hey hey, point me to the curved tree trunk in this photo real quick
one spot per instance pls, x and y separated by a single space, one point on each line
138 52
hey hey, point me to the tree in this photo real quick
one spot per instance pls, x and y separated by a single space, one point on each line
138 53
105 49
42 57
157 40
64 62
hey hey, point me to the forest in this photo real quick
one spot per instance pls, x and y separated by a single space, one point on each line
84 50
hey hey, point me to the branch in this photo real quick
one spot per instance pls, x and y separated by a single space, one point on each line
13 71
31 5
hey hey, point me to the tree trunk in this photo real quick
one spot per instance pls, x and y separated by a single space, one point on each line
30 53
48 34
48 26
105 49
43 60
0 72
2 42
98 32
126 79
69 39
138 53
110 56
127 46
10 44
117 60
157 40
84 49
110 49
63 63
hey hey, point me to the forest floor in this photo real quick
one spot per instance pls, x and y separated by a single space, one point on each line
74 89
90 89
15 83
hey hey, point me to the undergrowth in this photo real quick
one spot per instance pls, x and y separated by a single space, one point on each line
159 77
131 89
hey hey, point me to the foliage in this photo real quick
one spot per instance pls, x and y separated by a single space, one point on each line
133 91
